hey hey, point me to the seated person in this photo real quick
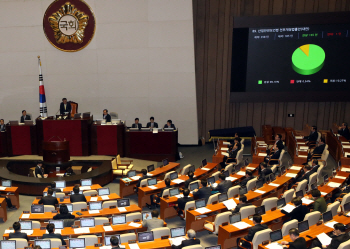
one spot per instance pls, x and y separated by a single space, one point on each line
223 184
191 178
53 187
49 199
233 150
144 176
64 213
248 176
152 124
318 150
39 171
169 124
2 125
77 197
306 175
65 107
181 202
297 242
24 116
344 190
154 222
252 230
243 202
344 131
278 143
137 124
319 202
106 116
156 200
70 172
51 230
315 166
339 236
313 135
272 159
191 235
17 234
114 242
298 212
204 192
264 171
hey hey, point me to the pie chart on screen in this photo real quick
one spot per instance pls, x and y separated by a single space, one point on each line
308 59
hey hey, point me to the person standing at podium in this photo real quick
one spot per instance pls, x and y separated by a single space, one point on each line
152 124
106 116
24 116
137 124
65 107
2 125
169 124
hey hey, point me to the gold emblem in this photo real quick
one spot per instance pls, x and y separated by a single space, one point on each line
68 24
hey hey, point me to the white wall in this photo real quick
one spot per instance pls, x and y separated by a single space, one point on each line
140 63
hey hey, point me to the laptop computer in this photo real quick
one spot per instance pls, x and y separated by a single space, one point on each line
123 202
246 162
237 168
37 209
211 180
243 190
303 226
327 216
173 175
8 244
131 173
103 191
144 215
300 193
283 170
95 205
151 182
77 243
177 232
272 177
87 222
150 168
260 210
194 186
235 218
60 184
86 182
165 162
58 223
314 186
43 243
69 207
204 162
325 178
347 207
118 219
227 173
200 203
26 225
145 237
222 197
108 239
259 183
281 203
213 247
174 191
191 168
276 235
6 183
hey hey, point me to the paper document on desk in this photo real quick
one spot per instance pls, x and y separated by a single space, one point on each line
299 137
223 148
202 210
241 225
251 168
105 197
93 199
274 246
346 146
134 246
347 154
230 178
149 174
178 181
205 169
122 209
324 239
259 191
288 208
108 228
133 224
262 154
59 174
179 196
230 204
345 169
302 156
85 187
291 175
346 142
135 177
226 143
306 201
334 184
176 241
295 168
28 232
340 177
274 184
82 230
300 142
241 173
224 153
25 216
9 231
94 211
214 185
331 224
304 147
323 193
152 187
2 188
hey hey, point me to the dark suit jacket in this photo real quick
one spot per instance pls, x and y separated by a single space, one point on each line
306 176
314 169
3 127
299 243
245 181
280 144
18 235
233 153
68 108
239 206
172 126
54 236
345 133
203 193
64 216
319 149
265 173
181 202
312 137
297 213
77 198
139 125
189 242
337 240
39 171
140 179
49 200
253 230
276 155
188 181
155 125
223 186
27 117
108 118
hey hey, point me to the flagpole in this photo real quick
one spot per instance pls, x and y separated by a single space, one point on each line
42 97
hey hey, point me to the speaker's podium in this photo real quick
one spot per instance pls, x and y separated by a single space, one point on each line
56 153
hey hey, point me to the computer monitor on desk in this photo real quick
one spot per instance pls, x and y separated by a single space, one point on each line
150 168
6 183
108 239
119 219
43 243
58 223
86 115
77 116
8 244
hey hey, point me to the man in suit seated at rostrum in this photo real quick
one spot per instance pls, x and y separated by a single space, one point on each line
52 235
181 202
278 143
24 116
232 153
191 235
243 202
204 192
136 124
77 197
17 234
253 230
315 166
223 185
307 171
154 222
65 107
169 124
298 212
344 130
106 116
2 125
297 242
318 150
339 236
152 124
49 199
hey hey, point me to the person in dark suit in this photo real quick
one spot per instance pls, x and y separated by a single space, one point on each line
223 185
169 124
306 175
65 107
272 159
17 234
49 199
320 203
204 192
299 211
137 124
278 143
339 236
253 230
315 166
318 150
191 234
2 125
297 242
243 202
264 171
152 124
190 179
64 213
344 131
24 116
313 135
181 202
106 116
69 171
344 190
39 171
53 187
156 200
233 150
77 197
51 229
144 176
114 242
248 176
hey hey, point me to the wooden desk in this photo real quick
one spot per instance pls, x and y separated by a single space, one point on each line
13 194
70 188
112 196
3 209
126 188
3 144
145 192
21 140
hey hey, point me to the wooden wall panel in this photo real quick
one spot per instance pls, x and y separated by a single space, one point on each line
213 24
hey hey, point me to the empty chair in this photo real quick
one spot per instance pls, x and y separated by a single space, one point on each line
289 225
185 169
35 224
55 243
333 207
229 168
133 216
101 220
90 240
233 191
90 192
213 227
60 195
143 183
216 175
161 231
319 174
189 204
48 208
124 238
79 205
107 204
193 247
274 168
288 195
312 180
301 186
114 115
261 236
246 211
212 198
20 243
313 217
239 156
251 184
269 203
